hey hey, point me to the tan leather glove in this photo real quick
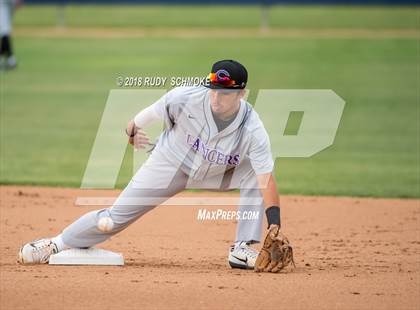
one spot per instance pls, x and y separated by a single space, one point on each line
276 253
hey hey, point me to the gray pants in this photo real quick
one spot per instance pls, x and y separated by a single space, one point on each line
6 13
155 182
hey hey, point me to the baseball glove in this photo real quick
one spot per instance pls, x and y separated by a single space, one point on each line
276 253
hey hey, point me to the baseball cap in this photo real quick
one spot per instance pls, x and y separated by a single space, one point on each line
227 74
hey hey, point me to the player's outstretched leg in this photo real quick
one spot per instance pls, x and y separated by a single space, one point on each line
37 252
85 231
148 188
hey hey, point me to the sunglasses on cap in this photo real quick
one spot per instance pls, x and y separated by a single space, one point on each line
222 80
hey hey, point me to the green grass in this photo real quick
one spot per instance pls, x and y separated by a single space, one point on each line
51 106
355 17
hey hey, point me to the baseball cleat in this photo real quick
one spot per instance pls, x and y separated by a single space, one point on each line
11 63
242 256
37 252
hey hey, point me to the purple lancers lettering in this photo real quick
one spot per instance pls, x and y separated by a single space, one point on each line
212 155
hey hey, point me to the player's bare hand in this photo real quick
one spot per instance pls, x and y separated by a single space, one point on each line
140 140
136 136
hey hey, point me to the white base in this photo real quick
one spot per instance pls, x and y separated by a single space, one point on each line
91 256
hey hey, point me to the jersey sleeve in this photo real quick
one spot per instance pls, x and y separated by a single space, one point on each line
260 152
149 115
163 108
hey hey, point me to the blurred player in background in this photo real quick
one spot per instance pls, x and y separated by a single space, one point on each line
7 8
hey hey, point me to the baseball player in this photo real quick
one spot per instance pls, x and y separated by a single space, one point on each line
7 8
213 139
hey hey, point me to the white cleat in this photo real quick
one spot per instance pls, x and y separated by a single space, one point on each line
37 252
242 256
11 62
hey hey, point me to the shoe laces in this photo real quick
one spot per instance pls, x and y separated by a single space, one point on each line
42 250
250 252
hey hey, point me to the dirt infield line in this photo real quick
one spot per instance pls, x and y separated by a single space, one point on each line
111 33
350 253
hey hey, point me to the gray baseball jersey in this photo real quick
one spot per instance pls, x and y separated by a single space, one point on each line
193 142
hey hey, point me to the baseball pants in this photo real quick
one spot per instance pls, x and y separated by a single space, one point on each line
6 12
155 182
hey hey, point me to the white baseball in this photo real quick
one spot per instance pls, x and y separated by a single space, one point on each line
105 224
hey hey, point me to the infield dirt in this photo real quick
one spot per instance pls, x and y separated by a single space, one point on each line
351 253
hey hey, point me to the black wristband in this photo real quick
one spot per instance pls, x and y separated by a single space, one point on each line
273 215
132 135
